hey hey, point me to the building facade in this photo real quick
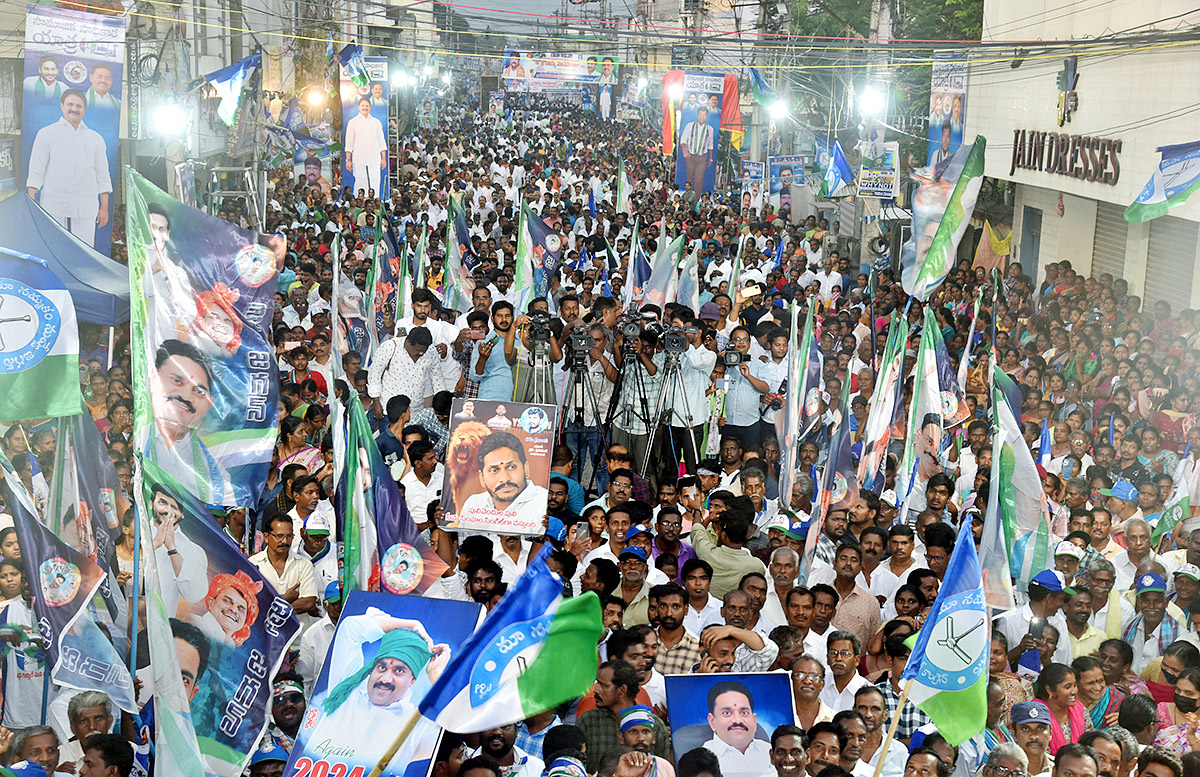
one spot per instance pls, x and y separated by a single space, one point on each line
1078 155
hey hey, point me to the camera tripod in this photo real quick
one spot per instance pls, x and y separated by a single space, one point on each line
579 397
638 409
672 384
541 375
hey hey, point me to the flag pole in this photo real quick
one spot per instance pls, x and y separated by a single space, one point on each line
891 734
409 725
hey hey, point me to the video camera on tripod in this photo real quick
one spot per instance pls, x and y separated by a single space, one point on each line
579 344
675 340
539 326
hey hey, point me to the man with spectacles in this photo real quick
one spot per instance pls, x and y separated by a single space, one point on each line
1006 760
292 576
620 490
668 526
842 679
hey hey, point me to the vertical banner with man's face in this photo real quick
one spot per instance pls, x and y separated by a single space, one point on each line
217 632
786 174
365 130
947 105
8 170
498 467
699 131
71 116
205 374
752 186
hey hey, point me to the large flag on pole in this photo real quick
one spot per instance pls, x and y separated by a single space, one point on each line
460 259
839 484
948 667
534 651
1176 178
62 583
228 83
809 394
660 289
887 404
382 548
922 271
39 341
624 189
539 253
838 176
351 57
688 286
764 95
787 421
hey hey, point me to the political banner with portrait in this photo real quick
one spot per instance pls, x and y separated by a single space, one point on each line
386 653
732 715
496 103
71 116
365 129
752 186
217 631
528 71
498 467
205 376
699 131
947 105
879 175
786 175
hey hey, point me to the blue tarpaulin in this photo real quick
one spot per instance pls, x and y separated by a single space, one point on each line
98 285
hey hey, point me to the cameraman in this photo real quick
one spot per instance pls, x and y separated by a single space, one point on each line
585 403
743 390
687 405
640 386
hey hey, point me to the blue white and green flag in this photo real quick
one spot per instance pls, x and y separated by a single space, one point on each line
1176 178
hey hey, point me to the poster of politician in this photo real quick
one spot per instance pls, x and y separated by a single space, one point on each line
365 130
524 70
699 131
732 715
786 177
752 187
386 653
947 105
206 378
71 98
228 628
498 466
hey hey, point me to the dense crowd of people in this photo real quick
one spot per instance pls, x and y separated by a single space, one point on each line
664 496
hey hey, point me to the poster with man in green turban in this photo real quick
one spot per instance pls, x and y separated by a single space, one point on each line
386 653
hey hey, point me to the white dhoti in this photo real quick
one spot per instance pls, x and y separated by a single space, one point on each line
81 227
366 177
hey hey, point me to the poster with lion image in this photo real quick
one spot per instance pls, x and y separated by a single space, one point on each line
498 467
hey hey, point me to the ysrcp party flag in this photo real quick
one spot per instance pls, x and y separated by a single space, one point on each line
206 381
217 629
541 247
461 259
624 189
383 550
1176 178
1179 505
887 405
942 209
534 651
949 663
385 655
39 341
62 583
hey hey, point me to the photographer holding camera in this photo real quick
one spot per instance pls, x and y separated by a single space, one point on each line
743 390
685 402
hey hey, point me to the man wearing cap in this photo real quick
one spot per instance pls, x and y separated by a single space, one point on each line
1085 638
315 642
316 547
637 732
268 761
1151 632
1187 587
635 588
1047 591
1031 731
1122 501
369 700
1067 557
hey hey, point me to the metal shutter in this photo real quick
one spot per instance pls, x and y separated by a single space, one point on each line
1108 248
1169 262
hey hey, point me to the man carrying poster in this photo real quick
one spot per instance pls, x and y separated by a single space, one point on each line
366 149
69 167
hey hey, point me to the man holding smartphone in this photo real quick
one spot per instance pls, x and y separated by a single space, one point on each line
1023 626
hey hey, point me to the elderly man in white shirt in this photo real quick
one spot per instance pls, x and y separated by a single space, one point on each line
68 166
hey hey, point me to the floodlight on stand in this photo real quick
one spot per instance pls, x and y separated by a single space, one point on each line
778 109
399 78
314 96
446 77
675 92
642 83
